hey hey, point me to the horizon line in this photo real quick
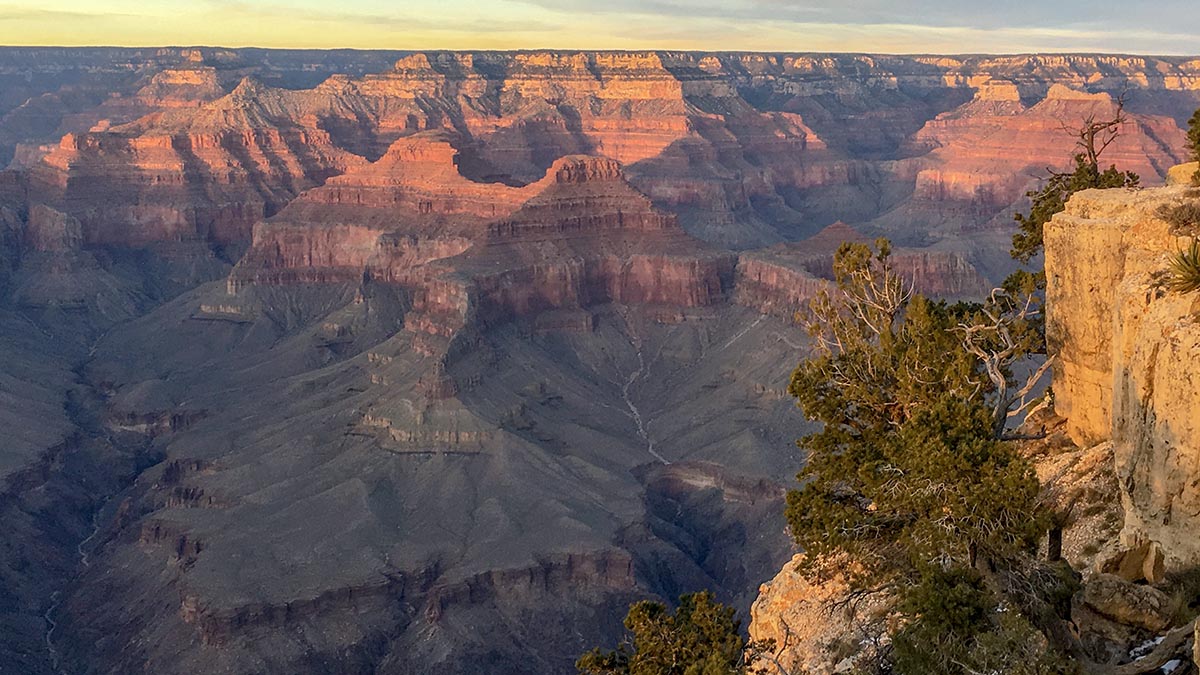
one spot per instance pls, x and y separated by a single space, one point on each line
521 50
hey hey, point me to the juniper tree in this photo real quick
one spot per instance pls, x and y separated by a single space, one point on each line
913 489
1092 138
910 478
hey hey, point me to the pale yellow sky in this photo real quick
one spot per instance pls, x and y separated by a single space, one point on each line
904 26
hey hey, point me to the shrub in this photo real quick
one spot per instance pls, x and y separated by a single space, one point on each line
1184 217
702 637
1184 273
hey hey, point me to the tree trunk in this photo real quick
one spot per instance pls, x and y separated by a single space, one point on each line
1054 544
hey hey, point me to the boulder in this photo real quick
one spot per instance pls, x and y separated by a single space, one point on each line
1126 603
1144 562
1183 174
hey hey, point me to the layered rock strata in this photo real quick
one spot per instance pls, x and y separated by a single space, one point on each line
1128 351
782 279
747 150
581 236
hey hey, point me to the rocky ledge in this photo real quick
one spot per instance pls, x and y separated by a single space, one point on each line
1128 355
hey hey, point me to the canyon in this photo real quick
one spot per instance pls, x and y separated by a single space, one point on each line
434 361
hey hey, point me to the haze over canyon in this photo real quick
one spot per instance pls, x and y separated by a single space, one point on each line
432 362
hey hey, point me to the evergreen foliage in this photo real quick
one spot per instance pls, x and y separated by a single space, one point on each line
1052 198
909 478
702 637
908 467
957 626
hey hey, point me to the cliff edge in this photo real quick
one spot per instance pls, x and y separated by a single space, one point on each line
1128 355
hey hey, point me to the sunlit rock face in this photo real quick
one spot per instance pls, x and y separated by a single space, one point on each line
746 149
1128 353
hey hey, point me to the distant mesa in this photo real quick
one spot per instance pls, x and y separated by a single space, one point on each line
999 91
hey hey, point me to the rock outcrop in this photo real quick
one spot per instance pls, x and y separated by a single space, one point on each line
814 626
1128 354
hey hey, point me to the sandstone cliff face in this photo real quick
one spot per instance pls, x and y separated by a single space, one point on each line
1128 354
814 629
746 149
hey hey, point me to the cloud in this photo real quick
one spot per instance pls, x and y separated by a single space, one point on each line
983 15
25 13
1056 25
377 20
896 26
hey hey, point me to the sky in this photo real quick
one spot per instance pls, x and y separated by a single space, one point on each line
881 26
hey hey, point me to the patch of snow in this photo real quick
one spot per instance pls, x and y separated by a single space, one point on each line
1145 648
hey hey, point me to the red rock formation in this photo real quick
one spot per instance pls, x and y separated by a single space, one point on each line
771 286
419 176
976 156
585 238
782 279
745 147
181 88
206 174
590 238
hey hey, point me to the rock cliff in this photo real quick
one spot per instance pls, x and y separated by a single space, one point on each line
1128 354
780 280
971 165
746 149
